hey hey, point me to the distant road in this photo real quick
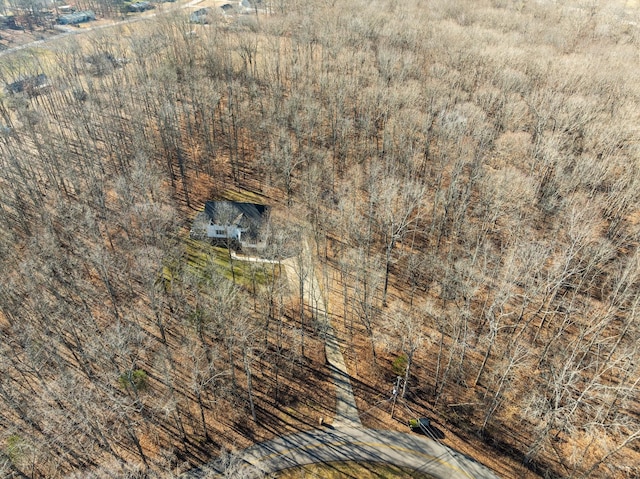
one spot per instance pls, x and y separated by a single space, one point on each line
343 444
66 31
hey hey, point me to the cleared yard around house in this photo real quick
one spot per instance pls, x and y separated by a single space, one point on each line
204 259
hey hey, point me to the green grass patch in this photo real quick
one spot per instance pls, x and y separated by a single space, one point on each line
341 470
203 260
400 365
15 448
136 379
200 255
243 196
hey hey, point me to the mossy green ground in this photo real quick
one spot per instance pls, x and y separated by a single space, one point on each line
342 470
244 196
205 261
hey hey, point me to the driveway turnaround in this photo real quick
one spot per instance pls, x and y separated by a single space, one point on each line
347 444
346 439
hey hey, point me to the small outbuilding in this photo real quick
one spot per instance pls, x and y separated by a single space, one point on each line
66 9
200 16
249 6
76 18
140 7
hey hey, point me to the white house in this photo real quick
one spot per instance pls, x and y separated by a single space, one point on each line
240 223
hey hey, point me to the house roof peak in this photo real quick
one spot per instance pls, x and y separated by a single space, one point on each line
230 212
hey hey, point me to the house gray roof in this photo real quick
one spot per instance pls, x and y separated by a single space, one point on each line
250 3
140 6
200 16
231 212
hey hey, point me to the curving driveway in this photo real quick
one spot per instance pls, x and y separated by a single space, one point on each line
346 444
346 440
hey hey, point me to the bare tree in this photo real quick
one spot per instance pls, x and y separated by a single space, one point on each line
398 205
406 333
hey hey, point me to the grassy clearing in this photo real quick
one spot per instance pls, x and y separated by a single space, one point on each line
204 259
342 470
243 196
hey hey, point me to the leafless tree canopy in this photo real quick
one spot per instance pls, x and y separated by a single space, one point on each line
467 173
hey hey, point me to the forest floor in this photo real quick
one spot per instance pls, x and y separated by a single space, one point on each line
307 392
373 385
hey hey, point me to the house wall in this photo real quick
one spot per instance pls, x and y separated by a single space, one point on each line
223 231
258 247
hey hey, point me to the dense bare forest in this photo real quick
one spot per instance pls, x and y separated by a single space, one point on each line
469 175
